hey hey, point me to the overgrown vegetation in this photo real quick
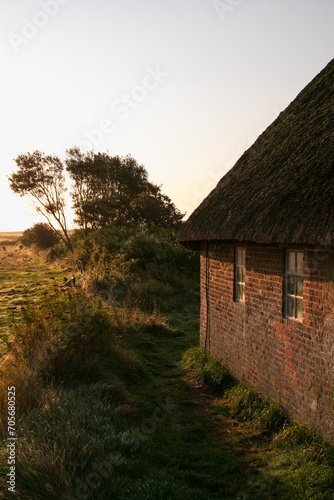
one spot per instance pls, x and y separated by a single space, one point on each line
103 408
144 263
301 465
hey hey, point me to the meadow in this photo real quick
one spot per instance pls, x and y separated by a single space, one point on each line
24 277
115 400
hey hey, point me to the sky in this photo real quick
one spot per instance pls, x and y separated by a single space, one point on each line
184 86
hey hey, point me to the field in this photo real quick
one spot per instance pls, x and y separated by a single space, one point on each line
115 401
10 238
24 276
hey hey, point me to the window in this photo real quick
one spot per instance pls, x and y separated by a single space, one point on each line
239 274
294 285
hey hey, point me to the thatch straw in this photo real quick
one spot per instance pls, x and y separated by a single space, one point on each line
281 190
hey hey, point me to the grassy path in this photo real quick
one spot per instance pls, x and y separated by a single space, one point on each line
122 420
200 452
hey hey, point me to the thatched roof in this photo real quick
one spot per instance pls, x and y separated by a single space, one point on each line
281 190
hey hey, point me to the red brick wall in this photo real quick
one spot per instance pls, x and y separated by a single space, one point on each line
285 359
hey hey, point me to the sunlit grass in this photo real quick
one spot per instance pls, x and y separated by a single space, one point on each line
104 408
24 278
299 464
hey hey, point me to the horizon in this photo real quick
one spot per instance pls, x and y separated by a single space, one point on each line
183 88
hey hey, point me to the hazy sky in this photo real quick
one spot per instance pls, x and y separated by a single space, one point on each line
184 86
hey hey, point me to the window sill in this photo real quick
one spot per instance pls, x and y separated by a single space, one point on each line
294 319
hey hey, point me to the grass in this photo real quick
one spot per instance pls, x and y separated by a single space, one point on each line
305 462
206 368
114 400
125 403
24 278
249 406
292 463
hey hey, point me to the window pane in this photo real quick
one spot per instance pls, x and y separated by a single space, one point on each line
292 262
239 274
239 256
240 291
299 314
300 262
241 253
291 306
243 274
291 285
300 286
243 256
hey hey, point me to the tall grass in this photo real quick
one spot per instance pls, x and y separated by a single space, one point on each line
73 381
257 410
207 369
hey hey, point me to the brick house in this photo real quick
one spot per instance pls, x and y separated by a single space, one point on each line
266 237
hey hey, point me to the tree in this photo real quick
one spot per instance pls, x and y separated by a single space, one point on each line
41 234
41 177
114 191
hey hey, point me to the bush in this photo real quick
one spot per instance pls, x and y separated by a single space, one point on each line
41 235
144 262
111 273
147 245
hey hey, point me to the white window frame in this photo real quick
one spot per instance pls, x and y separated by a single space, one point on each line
297 282
239 274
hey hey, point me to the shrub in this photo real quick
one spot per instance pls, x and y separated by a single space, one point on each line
148 246
111 272
57 252
143 261
41 235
